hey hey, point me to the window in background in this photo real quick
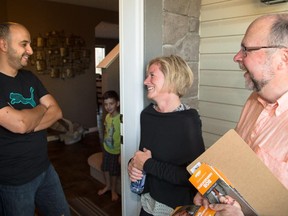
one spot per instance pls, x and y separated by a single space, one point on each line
99 56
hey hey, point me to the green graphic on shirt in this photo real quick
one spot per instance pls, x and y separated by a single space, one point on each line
17 98
109 138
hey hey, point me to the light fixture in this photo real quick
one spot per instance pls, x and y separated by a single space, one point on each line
270 2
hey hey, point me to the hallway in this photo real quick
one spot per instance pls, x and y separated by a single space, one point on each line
70 161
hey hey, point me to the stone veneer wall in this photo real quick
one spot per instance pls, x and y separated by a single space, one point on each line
181 37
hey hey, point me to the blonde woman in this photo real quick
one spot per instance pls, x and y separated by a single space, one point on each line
171 138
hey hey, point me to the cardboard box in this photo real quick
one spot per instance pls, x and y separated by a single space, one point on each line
249 175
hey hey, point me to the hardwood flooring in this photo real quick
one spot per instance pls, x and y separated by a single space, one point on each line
70 161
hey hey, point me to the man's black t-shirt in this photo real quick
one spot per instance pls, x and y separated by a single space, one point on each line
22 156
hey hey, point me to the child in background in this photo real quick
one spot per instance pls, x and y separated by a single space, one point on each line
111 154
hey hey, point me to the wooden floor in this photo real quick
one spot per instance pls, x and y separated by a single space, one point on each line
70 161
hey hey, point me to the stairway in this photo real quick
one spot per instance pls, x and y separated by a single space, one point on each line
94 162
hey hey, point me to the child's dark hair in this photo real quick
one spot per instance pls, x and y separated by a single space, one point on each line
111 94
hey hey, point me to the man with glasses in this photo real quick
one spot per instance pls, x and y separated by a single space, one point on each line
264 120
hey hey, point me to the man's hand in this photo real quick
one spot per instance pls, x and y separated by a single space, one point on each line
228 207
200 200
226 210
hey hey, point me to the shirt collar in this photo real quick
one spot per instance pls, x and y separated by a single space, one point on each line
280 106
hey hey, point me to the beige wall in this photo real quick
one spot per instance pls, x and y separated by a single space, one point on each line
76 96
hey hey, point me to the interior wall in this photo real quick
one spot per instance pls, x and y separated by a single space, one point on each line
76 96
3 13
110 78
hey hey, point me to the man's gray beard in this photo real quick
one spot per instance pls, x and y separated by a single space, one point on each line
249 84
252 84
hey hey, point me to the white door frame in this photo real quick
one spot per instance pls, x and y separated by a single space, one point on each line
131 57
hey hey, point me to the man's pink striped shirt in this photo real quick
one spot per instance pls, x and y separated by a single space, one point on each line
264 127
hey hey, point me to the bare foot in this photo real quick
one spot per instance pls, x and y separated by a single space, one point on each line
115 196
103 190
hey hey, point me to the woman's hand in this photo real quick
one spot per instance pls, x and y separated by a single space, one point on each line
134 173
140 158
135 165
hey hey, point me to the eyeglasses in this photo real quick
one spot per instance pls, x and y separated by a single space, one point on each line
245 49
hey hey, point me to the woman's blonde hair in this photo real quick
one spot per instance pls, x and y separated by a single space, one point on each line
178 75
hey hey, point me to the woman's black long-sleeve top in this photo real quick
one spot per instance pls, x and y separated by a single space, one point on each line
175 140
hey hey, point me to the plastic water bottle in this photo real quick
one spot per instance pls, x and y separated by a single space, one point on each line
138 186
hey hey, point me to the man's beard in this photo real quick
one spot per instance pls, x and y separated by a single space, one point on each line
257 85
250 82
16 60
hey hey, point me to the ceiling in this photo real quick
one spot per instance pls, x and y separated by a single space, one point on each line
112 5
103 29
